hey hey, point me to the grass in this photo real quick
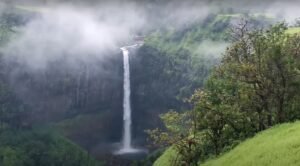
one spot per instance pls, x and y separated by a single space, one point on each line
240 15
236 15
34 9
279 146
166 158
293 30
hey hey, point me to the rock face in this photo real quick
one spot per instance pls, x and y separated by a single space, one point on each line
80 96
152 93
85 98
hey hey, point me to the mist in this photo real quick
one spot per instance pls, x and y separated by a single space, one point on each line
218 48
72 33
62 61
76 32
81 31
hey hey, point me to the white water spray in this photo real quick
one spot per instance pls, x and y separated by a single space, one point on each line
126 144
126 102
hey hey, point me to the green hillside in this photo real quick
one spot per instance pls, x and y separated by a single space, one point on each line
277 146
274 147
40 146
293 30
166 158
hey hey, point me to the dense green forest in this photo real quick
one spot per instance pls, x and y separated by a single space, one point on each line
253 88
176 62
199 88
22 141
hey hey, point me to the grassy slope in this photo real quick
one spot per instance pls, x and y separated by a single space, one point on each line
34 9
274 147
40 146
293 30
277 146
166 158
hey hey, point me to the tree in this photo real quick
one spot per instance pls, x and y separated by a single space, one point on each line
255 86
181 135
263 61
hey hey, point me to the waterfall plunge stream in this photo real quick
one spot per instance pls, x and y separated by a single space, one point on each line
126 144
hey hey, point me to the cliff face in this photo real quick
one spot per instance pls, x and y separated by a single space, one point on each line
83 97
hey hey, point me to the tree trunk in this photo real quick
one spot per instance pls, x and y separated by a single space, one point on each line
280 113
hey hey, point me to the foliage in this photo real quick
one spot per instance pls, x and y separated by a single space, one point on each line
5 29
177 126
10 18
150 159
166 158
179 134
12 109
293 30
174 57
171 64
84 129
21 144
252 88
35 148
174 61
255 86
274 147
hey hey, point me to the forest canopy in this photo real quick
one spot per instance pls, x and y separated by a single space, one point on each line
255 86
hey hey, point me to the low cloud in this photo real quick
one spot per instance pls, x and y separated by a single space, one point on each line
85 31
212 49
75 33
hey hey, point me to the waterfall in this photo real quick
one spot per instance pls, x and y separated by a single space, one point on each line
126 144
126 102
